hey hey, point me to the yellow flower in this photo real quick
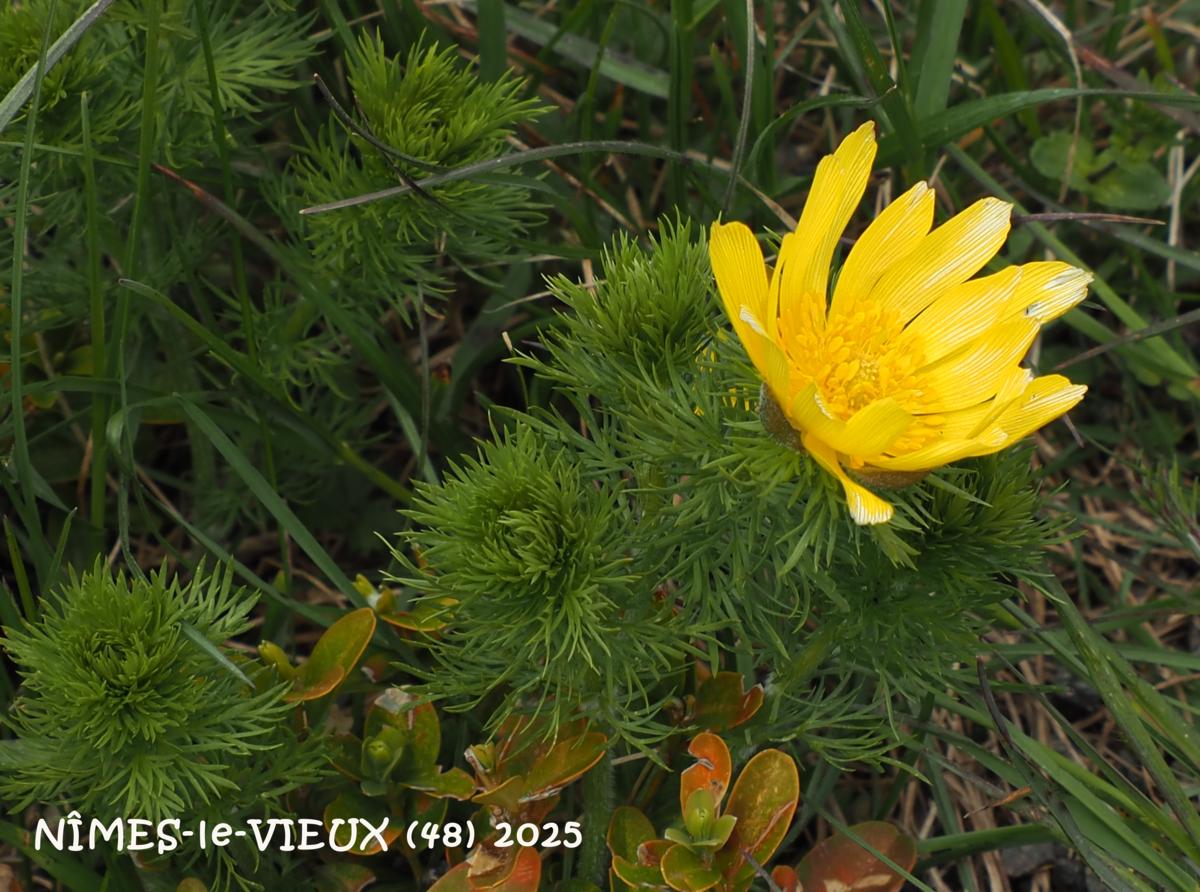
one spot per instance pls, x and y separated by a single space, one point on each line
912 364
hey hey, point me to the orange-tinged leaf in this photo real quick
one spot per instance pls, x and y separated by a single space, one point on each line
334 657
722 702
507 796
566 761
522 872
454 880
712 769
523 740
417 722
636 876
528 873
311 686
785 878
839 864
651 852
751 703
628 828
685 872
519 746
451 784
763 800
427 616
523 771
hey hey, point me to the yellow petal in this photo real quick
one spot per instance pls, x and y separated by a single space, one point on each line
946 257
1013 383
961 434
975 373
836 191
771 362
806 312
1047 290
741 274
890 238
865 507
1045 399
962 314
942 452
768 357
869 431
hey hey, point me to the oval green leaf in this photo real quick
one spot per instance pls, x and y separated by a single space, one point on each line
763 800
628 828
685 872
333 659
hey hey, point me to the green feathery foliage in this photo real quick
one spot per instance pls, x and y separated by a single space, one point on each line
729 540
21 28
124 714
614 341
255 54
431 113
547 600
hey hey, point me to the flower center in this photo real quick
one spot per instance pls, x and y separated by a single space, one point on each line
855 360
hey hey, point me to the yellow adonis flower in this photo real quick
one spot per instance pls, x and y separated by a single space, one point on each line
912 364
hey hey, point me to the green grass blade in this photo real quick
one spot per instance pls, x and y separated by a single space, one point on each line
1076 822
53 576
241 364
1099 658
27 86
18 571
1008 55
939 23
91 200
777 126
307 611
134 251
10 617
956 846
949 820
748 66
493 39
1143 242
338 24
271 500
679 97
949 125
1107 828
894 103
215 653
583 52
20 448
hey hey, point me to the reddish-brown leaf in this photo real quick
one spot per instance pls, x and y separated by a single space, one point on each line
839 864
712 769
